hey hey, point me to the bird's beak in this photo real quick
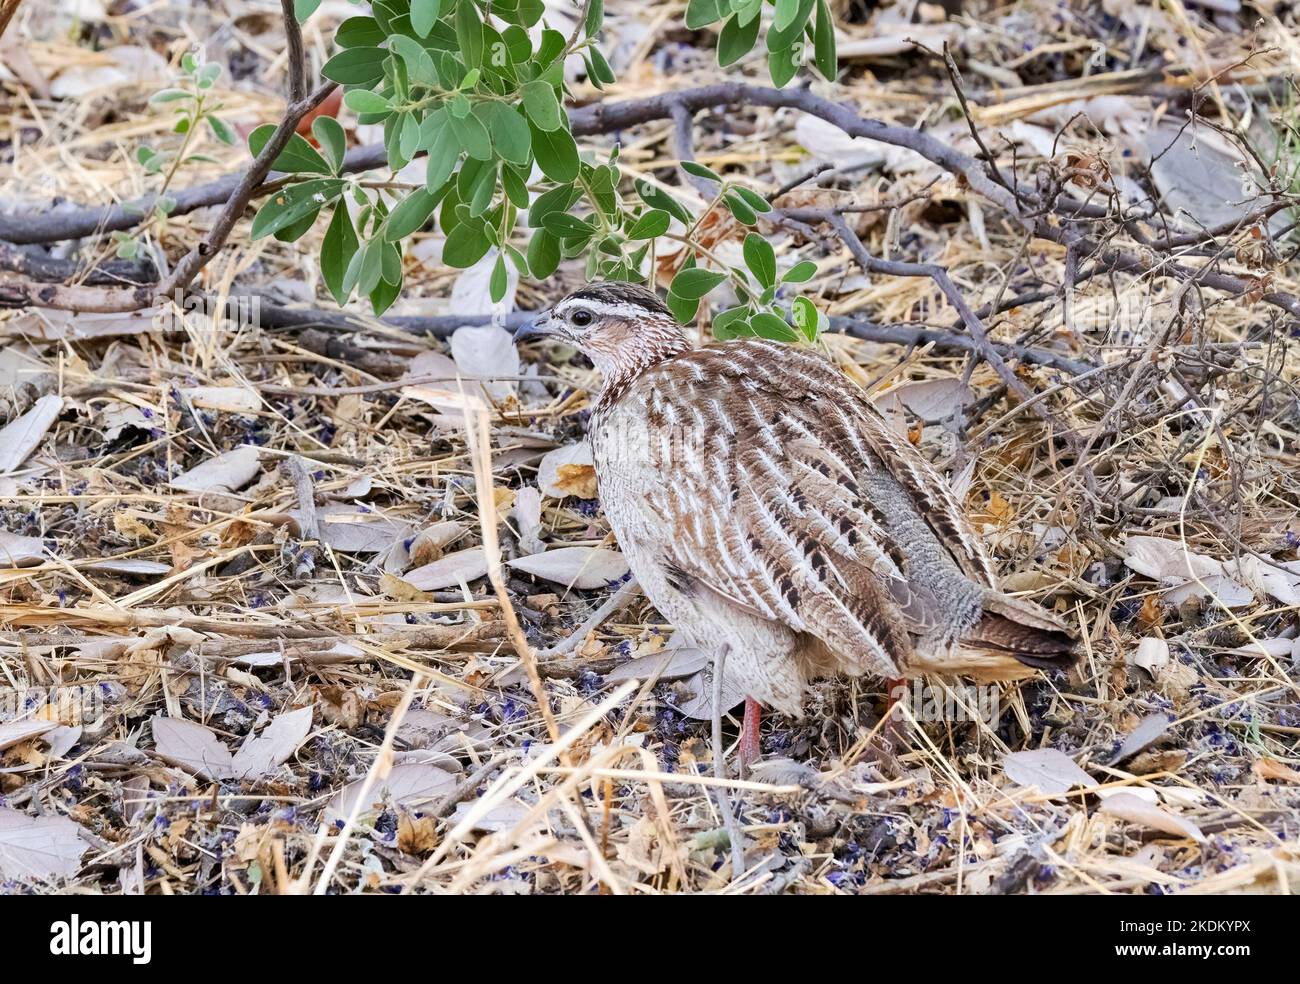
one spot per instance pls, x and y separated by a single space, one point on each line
543 326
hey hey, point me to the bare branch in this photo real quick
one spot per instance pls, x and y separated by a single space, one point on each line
295 53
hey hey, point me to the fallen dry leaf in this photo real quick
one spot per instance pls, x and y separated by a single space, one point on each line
583 568
1151 654
13 732
39 848
19 438
568 471
1050 770
405 785
192 747
465 565
20 551
1267 768
262 754
1135 809
227 472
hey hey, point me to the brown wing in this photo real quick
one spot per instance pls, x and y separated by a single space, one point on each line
787 502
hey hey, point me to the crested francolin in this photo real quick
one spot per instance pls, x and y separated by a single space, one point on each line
770 513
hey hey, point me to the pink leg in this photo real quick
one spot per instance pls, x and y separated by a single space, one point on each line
894 688
750 748
895 691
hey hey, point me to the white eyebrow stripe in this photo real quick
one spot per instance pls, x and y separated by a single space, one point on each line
605 309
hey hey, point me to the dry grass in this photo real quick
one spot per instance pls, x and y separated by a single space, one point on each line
1188 430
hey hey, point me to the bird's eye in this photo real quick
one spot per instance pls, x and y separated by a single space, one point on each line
581 318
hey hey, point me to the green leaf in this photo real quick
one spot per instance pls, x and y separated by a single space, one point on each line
736 39
291 204
391 263
302 9
550 48
336 252
356 66
595 18
478 193
472 135
333 141
469 33
598 68
416 58
382 297
786 12
824 42
541 105
694 283
518 45
295 230
424 13
556 200
466 245
530 12
800 273
700 171
653 223
784 38
656 197
360 32
410 214
366 101
370 266
169 95
732 323
459 105
806 317
221 129
683 308
782 66
543 254
517 258
393 145
497 284
408 140
753 199
511 137
514 182
702 13
767 325
437 137
747 10
737 206
556 153
298 156
562 225
761 259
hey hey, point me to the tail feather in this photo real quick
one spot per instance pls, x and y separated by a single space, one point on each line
1026 632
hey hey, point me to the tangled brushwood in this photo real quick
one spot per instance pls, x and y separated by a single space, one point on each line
305 581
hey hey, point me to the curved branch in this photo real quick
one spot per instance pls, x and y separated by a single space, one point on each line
603 118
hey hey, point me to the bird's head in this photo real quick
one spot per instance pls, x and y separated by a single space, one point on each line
623 328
